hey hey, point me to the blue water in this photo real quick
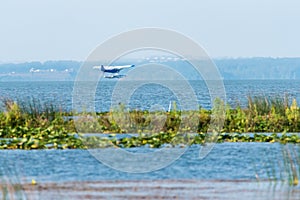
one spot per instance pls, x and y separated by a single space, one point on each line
227 161
60 93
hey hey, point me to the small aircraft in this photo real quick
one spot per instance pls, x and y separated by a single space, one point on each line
113 70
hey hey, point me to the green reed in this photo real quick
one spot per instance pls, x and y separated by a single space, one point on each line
32 124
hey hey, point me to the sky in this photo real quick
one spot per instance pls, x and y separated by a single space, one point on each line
35 30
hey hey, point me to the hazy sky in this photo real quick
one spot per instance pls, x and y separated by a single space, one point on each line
71 29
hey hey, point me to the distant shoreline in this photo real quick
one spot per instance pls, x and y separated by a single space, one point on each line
230 69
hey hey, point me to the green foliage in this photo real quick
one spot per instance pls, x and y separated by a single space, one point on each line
33 125
235 121
176 139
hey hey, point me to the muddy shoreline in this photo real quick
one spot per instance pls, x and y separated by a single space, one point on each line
159 189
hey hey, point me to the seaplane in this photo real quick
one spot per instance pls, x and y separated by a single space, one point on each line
113 70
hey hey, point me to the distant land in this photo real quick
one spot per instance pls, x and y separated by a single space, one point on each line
230 69
37 71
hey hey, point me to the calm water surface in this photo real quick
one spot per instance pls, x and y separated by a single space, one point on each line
60 93
227 161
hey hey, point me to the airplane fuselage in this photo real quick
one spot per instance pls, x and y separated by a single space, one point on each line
113 70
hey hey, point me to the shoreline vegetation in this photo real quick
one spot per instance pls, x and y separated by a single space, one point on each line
31 124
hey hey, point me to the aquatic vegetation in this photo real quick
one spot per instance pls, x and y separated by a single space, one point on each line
37 138
34 129
174 139
34 125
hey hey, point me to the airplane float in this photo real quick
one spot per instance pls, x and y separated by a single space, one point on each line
113 70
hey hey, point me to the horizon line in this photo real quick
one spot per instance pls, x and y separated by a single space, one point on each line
213 58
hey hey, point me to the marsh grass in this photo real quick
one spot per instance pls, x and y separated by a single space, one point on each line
35 109
263 114
10 183
33 124
9 190
263 105
291 163
30 112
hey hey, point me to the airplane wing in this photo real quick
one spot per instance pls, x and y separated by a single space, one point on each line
116 67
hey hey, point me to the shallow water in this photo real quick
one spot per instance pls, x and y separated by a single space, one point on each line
162 189
229 171
226 161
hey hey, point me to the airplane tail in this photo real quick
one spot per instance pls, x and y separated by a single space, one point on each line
102 68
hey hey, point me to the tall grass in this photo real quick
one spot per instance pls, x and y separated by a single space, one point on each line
262 114
35 109
263 105
33 125
31 112
292 163
10 183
